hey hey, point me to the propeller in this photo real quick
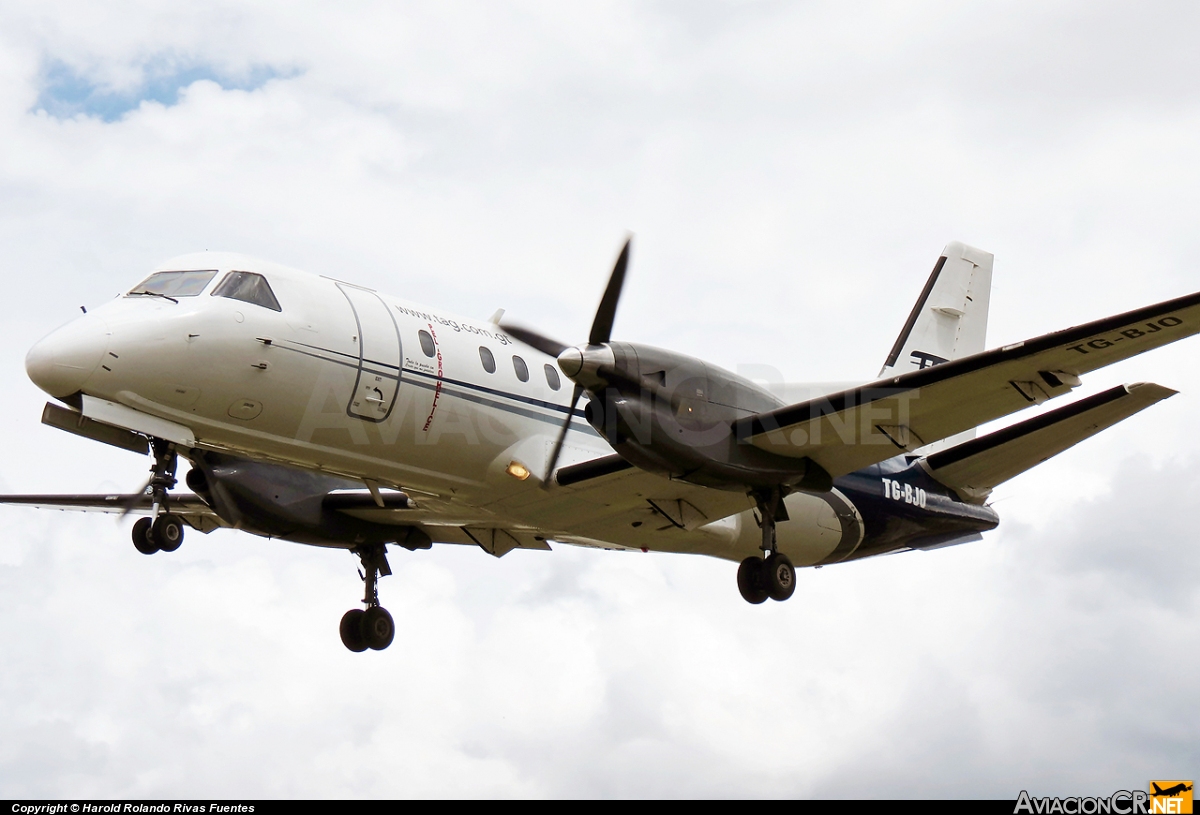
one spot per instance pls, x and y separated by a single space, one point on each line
606 312
532 338
572 358
134 499
562 436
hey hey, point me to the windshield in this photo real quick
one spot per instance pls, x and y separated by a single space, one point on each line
174 284
249 288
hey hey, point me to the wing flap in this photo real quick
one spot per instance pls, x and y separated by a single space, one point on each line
853 429
974 468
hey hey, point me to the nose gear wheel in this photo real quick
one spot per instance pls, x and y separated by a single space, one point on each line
351 630
162 531
141 537
167 531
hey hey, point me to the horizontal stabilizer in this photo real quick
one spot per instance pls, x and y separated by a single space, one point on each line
974 468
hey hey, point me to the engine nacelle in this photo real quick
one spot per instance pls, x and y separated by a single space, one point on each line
276 500
673 414
822 528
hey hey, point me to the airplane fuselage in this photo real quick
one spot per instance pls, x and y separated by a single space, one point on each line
331 378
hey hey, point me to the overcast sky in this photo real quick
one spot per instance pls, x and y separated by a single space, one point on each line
791 172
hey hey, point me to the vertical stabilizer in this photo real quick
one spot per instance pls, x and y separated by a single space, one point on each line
950 318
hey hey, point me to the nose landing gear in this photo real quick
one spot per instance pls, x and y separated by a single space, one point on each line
773 574
162 531
371 627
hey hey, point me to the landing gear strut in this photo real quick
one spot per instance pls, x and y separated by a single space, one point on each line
371 627
162 531
773 574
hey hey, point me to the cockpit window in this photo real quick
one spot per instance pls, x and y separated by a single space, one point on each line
247 287
174 284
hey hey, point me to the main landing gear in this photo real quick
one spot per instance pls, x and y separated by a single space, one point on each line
162 531
371 627
771 575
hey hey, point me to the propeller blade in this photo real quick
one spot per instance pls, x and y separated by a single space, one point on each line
562 435
607 312
533 339
134 499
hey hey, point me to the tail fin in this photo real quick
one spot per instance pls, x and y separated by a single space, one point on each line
950 318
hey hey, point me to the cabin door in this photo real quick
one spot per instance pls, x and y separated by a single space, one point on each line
379 356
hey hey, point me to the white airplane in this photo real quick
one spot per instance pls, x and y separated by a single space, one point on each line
320 412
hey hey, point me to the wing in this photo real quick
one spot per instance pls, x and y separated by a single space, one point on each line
614 505
853 429
442 523
611 505
191 508
974 468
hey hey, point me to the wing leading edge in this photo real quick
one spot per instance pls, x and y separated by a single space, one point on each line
847 431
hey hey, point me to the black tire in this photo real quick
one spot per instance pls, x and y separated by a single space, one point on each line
352 630
779 577
143 537
168 532
378 628
750 581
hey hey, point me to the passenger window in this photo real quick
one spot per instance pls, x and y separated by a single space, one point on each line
174 284
521 368
249 288
426 343
489 361
552 378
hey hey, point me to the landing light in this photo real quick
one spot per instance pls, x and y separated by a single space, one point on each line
517 470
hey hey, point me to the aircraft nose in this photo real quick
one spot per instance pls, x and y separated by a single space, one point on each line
63 360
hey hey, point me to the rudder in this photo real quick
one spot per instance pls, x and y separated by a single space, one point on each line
949 320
